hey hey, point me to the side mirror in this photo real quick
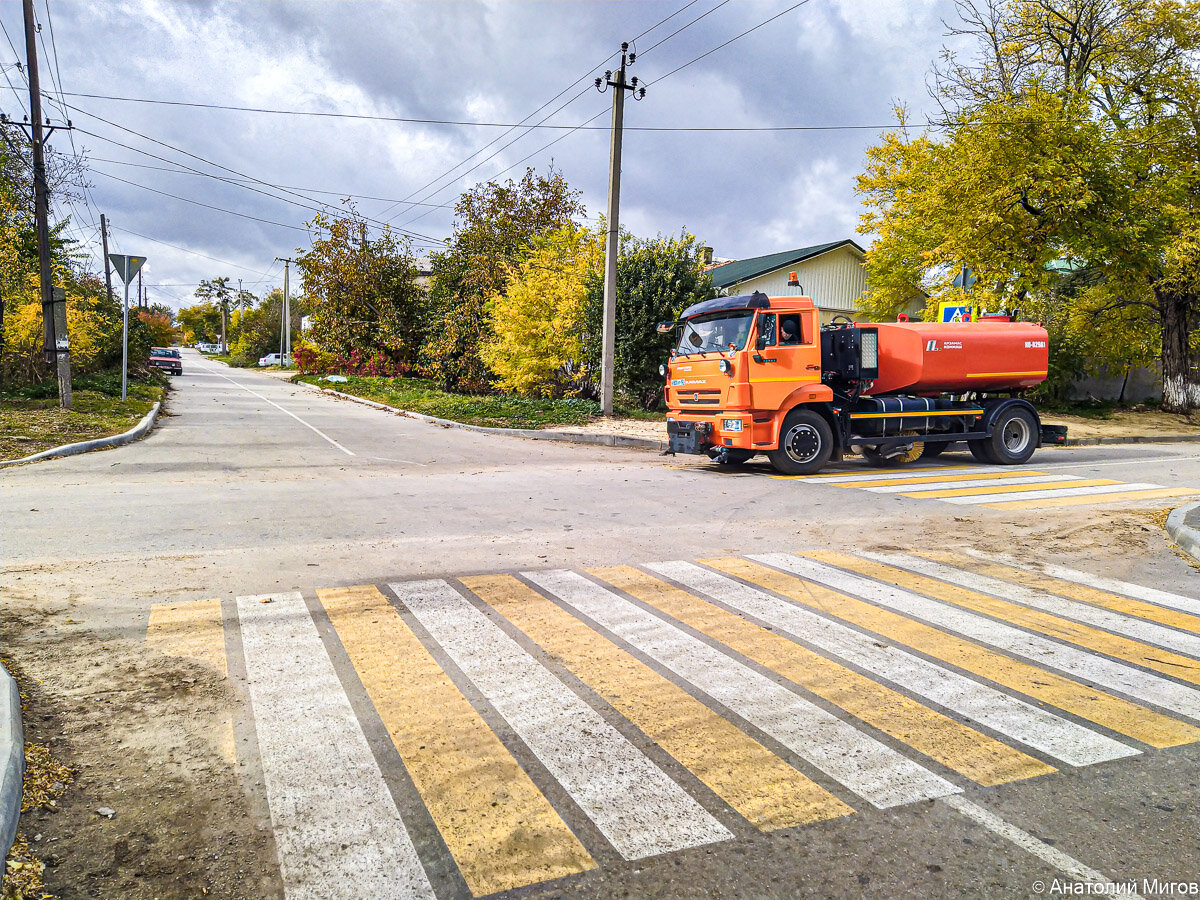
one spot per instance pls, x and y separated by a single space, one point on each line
665 327
761 342
694 339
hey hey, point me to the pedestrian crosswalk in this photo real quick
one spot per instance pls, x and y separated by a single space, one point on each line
555 722
994 488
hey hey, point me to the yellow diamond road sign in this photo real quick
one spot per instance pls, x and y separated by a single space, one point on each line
126 266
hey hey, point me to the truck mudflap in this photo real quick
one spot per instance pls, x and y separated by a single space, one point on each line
688 437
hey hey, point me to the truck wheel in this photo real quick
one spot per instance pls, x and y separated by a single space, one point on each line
805 444
1014 437
982 451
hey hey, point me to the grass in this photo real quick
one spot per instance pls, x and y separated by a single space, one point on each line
32 421
491 410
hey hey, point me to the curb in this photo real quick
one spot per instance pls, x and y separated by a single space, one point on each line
12 760
134 434
1183 527
574 437
1133 439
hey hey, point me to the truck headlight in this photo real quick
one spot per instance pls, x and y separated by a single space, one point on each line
662 370
725 366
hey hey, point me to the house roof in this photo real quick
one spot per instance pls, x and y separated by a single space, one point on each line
744 269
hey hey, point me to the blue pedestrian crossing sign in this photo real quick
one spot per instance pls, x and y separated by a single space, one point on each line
957 312
126 266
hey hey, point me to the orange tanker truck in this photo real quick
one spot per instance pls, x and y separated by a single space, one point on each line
756 374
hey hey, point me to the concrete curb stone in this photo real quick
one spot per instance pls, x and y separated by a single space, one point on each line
1183 527
12 760
136 433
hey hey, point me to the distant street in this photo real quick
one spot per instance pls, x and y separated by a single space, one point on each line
301 645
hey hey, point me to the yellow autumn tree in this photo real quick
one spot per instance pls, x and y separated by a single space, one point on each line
537 324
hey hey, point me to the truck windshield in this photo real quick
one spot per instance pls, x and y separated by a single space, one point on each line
715 331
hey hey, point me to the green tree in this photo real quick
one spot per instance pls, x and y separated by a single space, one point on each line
200 323
657 279
494 227
217 293
537 324
362 294
1071 130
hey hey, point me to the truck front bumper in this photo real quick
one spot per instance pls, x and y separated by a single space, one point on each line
700 434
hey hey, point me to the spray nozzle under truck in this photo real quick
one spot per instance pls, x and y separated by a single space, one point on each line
757 374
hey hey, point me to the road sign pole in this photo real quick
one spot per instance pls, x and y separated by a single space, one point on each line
125 333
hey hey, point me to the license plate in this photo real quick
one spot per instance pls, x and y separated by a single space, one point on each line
678 382
731 424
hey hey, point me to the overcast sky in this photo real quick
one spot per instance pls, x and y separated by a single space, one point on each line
745 193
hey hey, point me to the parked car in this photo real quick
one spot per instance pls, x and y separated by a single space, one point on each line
207 348
274 359
166 358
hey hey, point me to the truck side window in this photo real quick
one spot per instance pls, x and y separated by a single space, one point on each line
767 330
789 329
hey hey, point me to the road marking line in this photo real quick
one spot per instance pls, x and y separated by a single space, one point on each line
864 765
290 413
1065 575
1078 663
855 475
758 784
1043 851
992 708
1102 498
955 745
1114 713
500 829
1053 486
1101 488
917 576
337 828
975 485
194 630
190 630
634 803
981 476
935 565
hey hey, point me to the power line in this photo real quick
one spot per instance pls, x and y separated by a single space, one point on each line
215 259
683 28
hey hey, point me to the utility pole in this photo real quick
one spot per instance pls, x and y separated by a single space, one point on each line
57 347
608 354
139 292
107 262
285 331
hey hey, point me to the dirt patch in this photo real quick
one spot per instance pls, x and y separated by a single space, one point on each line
156 810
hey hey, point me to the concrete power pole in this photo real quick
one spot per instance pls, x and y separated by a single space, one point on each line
107 262
57 347
285 330
608 354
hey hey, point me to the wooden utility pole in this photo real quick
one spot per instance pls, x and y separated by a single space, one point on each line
107 262
611 242
285 331
57 347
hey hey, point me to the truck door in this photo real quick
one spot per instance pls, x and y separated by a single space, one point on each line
789 357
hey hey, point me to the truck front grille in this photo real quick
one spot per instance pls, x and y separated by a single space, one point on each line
700 398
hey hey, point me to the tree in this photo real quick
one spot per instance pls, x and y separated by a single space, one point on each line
494 227
362 294
217 293
656 280
1072 132
537 323
200 323
158 328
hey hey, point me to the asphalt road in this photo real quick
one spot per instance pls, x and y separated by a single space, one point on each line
526 680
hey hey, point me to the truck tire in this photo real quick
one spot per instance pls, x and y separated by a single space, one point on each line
1014 437
805 444
982 451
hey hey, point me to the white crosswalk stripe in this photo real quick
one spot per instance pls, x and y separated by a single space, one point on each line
869 768
635 804
338 831
1098 670
1150 632
1042 730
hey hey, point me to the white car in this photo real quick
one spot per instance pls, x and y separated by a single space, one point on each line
274 359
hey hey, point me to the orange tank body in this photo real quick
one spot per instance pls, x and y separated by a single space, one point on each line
955 357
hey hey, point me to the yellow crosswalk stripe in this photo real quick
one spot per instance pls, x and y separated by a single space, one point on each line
1149 494
1115 713
190 630
1071 590
500 829
762 787
956 746
847 471
936 479
1127 649
1009 488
